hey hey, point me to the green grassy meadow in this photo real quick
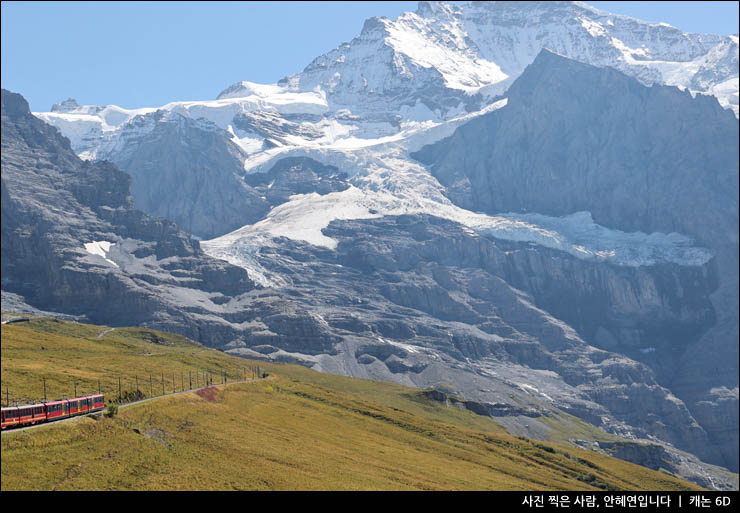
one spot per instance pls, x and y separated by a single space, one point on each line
296 430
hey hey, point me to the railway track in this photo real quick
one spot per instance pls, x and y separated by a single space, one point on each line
120 406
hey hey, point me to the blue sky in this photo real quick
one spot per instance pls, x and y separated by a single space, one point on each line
137 54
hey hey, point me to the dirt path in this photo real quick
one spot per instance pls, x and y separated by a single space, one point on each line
104 333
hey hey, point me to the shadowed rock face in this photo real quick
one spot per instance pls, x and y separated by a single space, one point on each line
53 204
573 137
190 172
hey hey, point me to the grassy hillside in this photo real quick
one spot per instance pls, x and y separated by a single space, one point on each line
64 353
298 429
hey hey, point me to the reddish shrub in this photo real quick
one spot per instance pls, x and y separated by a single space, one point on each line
209 394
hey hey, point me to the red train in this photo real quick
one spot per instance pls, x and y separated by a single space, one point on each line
55 410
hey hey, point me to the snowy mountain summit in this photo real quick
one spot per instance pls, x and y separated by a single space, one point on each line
450 57
397 86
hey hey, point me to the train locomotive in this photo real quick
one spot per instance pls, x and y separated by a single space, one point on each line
30 414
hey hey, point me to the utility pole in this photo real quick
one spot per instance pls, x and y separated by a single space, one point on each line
119 389
163 383
190 377
99 388
44 389
137 384
75 389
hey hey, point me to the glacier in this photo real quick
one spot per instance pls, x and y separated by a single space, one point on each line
365 106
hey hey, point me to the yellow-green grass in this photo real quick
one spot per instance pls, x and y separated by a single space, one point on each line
64 353
296 430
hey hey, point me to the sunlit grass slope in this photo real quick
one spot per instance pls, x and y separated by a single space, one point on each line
298 429
64 353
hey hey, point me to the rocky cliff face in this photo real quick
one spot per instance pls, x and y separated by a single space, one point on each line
647 159
72 241
191 172
572 135
167 152
423 301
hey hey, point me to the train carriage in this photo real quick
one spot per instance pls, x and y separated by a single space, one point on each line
31 414
98 402
10 417
56 410
74 406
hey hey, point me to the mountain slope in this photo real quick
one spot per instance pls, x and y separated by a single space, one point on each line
296 430
647 159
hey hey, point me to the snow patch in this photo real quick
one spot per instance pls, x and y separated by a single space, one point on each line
100 248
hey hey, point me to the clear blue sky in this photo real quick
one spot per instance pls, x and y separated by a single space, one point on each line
137 54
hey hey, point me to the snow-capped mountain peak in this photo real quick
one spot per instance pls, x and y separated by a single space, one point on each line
443 53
